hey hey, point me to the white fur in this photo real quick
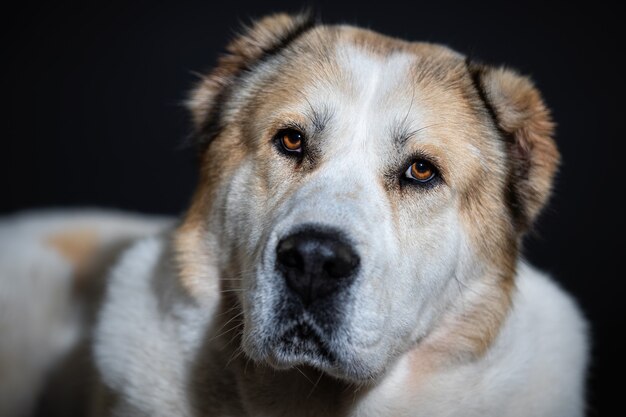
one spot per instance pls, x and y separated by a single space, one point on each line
149 364
535 367
160 352
39 320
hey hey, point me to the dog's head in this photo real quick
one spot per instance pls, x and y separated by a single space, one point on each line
361 195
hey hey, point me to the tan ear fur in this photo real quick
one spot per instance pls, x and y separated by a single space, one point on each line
262 39
527 126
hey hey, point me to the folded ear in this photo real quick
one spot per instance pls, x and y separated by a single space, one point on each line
266 37
525 123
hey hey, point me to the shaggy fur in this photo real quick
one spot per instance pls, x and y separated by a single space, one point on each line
442 317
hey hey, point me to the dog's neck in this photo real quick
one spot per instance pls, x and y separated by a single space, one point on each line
462 335
264 391
261 390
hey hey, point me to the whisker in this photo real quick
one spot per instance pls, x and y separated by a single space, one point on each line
236 306
416 131
226 324
234 356
233 290
304 375
245 368
232 339
225 332
319 378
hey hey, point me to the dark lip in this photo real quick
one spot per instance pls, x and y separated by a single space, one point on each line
304 342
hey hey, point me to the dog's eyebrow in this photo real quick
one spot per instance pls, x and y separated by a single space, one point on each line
400 137
402 132
320 116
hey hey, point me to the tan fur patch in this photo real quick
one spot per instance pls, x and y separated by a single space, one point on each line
521 112
78 246
193 254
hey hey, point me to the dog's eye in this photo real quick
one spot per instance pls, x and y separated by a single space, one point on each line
290 140
421 171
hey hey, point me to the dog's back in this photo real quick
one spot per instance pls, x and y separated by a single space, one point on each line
52 267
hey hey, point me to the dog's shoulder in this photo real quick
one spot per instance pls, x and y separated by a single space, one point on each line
544 346
53 267
549 309
149 332
535 367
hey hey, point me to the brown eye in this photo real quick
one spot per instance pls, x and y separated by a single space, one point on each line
290 140
421 171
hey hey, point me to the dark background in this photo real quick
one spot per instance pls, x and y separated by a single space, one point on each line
93 117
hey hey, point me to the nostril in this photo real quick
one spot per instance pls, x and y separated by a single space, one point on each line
288 255
342 263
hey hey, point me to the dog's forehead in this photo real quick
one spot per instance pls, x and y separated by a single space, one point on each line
361 63
377 89
365 92
394 85
374 86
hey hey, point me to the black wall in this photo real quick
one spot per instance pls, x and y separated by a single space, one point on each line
93 117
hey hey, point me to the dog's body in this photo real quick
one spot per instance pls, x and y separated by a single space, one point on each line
352 249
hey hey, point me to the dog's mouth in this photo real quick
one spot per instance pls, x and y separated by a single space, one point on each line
302 343
317 336
303 340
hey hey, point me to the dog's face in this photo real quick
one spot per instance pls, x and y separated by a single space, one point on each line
354 185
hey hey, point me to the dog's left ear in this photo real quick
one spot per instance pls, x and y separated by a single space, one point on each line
264 38
525 123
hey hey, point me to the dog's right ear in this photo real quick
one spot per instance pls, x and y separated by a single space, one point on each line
262 39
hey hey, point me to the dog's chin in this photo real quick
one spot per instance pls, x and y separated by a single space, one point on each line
302 345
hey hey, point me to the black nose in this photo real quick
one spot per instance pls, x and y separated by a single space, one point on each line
316 263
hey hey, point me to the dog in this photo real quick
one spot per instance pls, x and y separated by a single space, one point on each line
352 249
